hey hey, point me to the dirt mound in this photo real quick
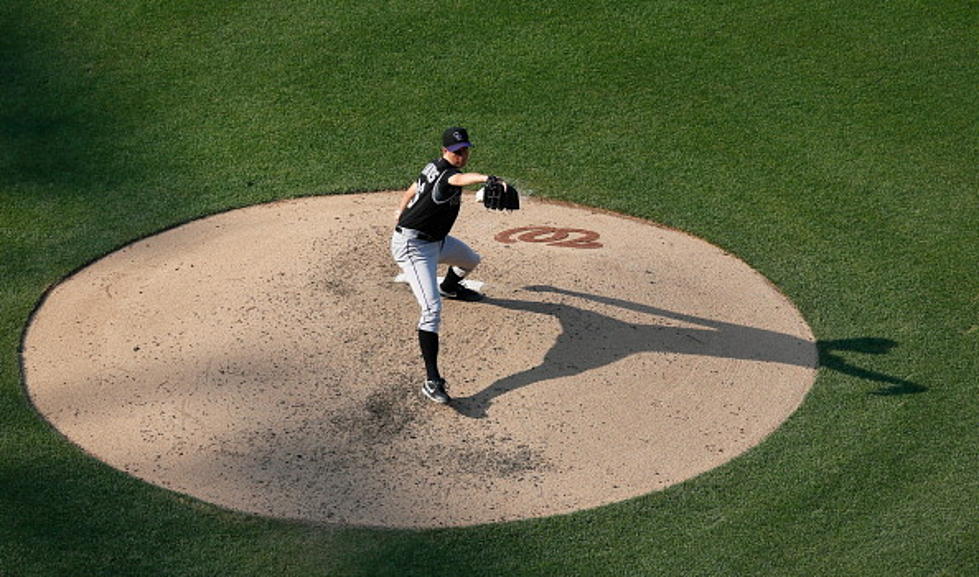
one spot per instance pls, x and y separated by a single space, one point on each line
264 360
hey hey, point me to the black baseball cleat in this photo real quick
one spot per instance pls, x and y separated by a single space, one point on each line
461 293
435 390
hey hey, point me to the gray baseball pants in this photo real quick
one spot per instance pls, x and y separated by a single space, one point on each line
419 260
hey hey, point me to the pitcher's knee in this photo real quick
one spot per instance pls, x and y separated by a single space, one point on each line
469 264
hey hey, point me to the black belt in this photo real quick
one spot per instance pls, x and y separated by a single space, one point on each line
412 233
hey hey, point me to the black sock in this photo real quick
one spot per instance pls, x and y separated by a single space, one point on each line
429 342
451 281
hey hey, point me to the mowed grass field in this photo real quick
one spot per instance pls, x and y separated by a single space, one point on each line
832 145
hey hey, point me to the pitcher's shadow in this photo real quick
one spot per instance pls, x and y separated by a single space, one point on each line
831 357
589 340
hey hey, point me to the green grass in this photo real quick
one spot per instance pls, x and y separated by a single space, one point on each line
832 145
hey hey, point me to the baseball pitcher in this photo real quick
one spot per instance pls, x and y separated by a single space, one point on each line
421 242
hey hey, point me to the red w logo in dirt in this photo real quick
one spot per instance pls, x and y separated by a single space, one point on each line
552 236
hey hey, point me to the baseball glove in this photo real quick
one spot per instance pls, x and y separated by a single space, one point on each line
499 195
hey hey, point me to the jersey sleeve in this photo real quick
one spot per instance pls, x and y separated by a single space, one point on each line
443 191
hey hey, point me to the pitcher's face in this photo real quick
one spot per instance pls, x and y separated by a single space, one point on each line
458 158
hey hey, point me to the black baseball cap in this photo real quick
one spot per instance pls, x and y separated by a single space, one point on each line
455 138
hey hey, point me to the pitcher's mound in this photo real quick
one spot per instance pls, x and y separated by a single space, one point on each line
265 360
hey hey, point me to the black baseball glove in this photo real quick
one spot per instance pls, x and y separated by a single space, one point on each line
499 195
